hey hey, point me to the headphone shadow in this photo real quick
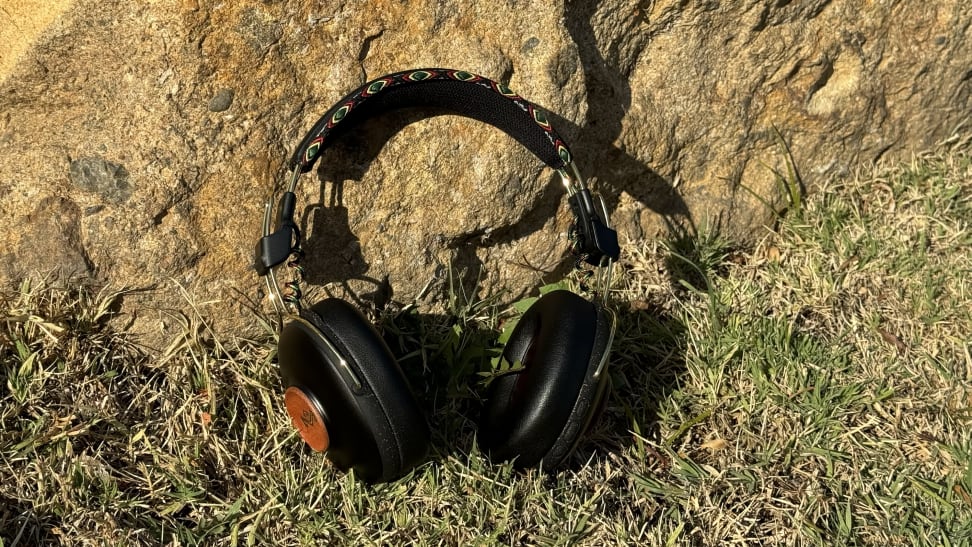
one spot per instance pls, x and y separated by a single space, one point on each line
446 360
608 100
332 252
441 366
18 515
646 364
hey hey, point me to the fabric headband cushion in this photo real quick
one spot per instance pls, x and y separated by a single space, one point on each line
456 91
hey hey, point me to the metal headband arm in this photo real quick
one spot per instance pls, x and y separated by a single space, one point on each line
273 248
595 238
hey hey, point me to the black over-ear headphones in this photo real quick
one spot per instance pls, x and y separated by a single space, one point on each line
345 391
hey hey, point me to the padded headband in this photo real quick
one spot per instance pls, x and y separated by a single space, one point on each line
456 91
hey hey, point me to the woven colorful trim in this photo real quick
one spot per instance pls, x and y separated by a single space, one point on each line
340 111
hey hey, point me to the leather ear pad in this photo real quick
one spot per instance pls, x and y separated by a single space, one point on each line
374 423
539 413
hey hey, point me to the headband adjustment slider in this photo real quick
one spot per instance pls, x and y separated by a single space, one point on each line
596 240
273 248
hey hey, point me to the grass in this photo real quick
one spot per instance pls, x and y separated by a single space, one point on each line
813 389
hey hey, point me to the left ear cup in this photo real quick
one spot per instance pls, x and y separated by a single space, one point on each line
540 412
333 355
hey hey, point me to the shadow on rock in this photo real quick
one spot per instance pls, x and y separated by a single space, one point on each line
606 80
333 253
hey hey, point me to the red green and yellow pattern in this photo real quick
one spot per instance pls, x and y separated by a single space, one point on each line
313 145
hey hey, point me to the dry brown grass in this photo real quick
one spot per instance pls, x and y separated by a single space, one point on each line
813 390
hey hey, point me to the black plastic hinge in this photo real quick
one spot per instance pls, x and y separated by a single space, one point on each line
595 239
273 249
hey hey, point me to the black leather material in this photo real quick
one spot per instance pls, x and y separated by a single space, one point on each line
539 413
305 363
386 410
592 397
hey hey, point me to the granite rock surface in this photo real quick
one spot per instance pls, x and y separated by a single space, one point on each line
139 141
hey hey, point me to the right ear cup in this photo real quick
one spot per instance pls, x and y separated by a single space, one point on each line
334 362
540 412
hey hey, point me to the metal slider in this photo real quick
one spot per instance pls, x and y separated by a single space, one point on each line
273 286
612 328
276 297
604 278
574 183
334 356
292 187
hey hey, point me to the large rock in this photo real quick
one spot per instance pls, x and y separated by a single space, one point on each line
138 141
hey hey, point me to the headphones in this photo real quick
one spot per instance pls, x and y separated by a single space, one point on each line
345 392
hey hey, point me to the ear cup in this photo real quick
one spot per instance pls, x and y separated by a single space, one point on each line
373 422
539 413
